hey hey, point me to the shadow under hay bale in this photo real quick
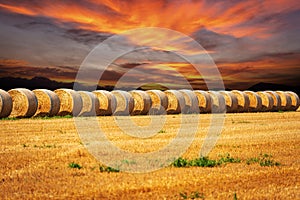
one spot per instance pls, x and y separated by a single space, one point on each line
142 102
70 102
159 102
107 102
191 102
295 100
267 101
230 100
286 101
176 101
255 104
24 103
276 100
243 100
204 101
90 104
6 104
124 103
48 103
218 102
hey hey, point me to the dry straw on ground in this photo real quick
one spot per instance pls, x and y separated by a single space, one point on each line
159 102
24 102
5 104
191 102
295 100
230 100
204 101
276 100
142 102
267 101
176 101
286 101
107 102
70 102
90 104
255 104
218 102
48 103
124 102
243 100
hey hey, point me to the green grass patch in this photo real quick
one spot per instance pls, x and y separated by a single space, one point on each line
74 165
108 169
264 160
192 195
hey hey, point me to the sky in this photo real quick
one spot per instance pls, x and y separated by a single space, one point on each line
249 41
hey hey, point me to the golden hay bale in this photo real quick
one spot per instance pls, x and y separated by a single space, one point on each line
24 102
5 104
70 102
276 100
191 102
267 101
90 104
159 102
286 100
142 102
107 102
243 100
48 103
255 104
176 102
124 102
230 101
295 100
218 102
204 101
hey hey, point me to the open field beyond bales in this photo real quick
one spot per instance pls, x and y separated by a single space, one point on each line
35 157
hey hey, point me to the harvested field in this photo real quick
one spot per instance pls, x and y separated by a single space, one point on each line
36 153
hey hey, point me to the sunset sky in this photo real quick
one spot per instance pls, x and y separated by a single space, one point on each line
250 41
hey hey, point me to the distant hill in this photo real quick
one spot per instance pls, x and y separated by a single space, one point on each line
271 86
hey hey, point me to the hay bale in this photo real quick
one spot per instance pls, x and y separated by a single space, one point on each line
142 102
218 102
70 102
204 101
295 100
191 102
243 100
107 102
124 102
24 103
6 104
276 100
159 102
90 104
176 101
267 101
48 103
255 104
286 100
230 101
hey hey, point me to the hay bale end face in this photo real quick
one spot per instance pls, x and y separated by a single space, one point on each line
90 104
176 101
124 102
48 103
159 102
295 100
218 102
230 101
70 102
107 102
6 104
255 104
24 103
243 100
204 101
276 100
142 102
191 102
286 101
267 101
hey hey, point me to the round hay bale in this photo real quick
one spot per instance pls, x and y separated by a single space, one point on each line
267 101
230 101
204 101
243 100
276 100
70 102
218 102
295 100
255 104
24 103
159 102
90 104
191 102
48 103
124 102
6 104
107 102
176 101
286 101
142 102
